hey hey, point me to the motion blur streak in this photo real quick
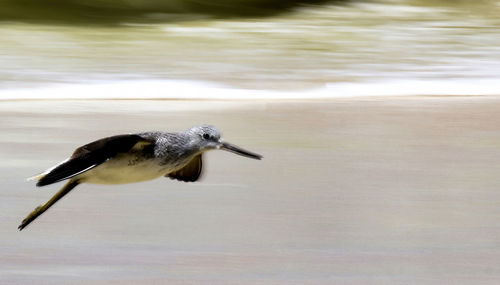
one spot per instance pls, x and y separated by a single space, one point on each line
291 46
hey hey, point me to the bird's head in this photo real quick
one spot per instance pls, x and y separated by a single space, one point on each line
207 137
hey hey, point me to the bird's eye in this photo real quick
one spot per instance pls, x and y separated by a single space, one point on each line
206 136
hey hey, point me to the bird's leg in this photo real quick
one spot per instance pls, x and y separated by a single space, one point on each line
42 208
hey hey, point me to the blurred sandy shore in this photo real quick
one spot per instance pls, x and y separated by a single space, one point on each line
393 191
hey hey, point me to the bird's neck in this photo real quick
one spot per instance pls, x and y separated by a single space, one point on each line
178 145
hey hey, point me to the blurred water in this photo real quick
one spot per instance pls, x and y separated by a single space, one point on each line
304 47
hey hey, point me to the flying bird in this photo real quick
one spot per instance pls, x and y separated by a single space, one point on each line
133 158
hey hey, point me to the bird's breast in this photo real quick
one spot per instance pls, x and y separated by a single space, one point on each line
125 169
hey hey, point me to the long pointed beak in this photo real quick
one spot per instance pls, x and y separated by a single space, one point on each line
236 149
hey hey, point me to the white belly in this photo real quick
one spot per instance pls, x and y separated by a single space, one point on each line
121 170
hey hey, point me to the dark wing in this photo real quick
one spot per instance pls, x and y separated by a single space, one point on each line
90 155
189 173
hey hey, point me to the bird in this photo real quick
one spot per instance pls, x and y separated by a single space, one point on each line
130 158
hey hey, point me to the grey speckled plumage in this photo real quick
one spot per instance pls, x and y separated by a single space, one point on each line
134 158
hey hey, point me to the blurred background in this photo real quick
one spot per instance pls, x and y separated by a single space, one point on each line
363 47
357 190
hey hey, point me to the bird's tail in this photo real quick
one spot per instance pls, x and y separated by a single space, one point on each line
37 177
43 174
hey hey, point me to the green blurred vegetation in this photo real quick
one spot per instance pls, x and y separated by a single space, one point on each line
113 11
